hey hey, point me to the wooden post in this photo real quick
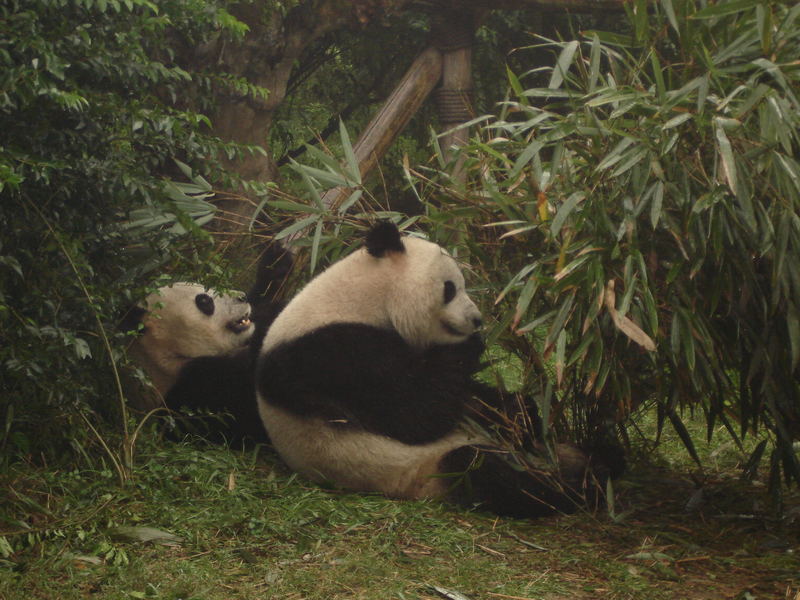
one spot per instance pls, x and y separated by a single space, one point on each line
418 82
453 32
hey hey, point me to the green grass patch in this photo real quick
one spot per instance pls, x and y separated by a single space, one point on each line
210 523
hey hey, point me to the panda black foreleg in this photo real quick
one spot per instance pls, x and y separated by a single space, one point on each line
370 378
265 296
499 481
222 385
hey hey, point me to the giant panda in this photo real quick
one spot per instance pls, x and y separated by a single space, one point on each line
366 377
198 347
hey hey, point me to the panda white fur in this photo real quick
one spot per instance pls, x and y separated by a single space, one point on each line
185 321
365 378
198 347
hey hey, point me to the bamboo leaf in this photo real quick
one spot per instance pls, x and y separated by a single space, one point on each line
685 436
516 86
615 155
675 121
353 170
726 155
562 65
656 203
315 246
561 344
564 210
143 534
631 159
724 8
624 324
558 323
522 274
524 300
669 10
524 158
296 227
594 62
793 330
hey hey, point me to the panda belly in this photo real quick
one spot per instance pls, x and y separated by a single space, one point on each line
359 460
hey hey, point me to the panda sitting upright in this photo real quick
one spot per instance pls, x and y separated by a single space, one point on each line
365 378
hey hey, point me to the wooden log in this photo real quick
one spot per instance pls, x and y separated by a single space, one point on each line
454 33
416 85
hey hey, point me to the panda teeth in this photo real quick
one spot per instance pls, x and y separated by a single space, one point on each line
241 324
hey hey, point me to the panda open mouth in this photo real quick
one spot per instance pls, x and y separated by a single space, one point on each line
241 324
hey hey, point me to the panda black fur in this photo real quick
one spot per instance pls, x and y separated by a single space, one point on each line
199 347
364 381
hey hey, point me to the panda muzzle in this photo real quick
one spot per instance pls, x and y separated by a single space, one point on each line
241 324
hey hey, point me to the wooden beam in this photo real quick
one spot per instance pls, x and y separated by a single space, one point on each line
416 85
453 32
545 5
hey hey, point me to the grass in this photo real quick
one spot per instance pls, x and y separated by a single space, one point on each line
246 528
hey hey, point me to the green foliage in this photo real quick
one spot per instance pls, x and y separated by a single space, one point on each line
643 205
90 140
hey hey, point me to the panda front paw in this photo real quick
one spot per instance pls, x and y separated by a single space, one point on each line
468 353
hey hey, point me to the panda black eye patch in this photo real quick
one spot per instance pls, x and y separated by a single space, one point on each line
449 291
205 304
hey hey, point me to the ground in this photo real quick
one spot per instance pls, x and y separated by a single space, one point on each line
199 522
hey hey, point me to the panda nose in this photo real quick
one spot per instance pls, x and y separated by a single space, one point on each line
477 322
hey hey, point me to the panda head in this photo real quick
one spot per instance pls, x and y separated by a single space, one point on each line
426 300
185 321
395 282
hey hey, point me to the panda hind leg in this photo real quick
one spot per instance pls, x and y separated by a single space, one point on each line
497 481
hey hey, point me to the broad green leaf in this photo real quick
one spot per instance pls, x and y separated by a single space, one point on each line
724 8
524 300
142 534
793 330
315 246
658 75
308 184
353 170
325 178
297 226
561 344
572 266
631 158
726 155
524 158
615 155
522 274
328 161
560 320
685 436
564 211
640 19
594 62
563 64
669 10
656 203
516 86
351 200
675 121
292 206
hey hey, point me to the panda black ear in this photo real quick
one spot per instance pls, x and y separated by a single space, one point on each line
384 237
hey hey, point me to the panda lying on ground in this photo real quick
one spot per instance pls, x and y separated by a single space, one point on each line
199 347
365 378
